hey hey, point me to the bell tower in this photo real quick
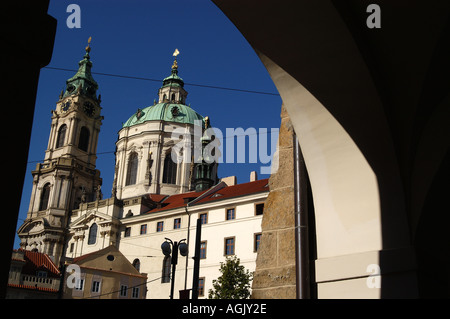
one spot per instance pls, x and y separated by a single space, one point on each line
67 176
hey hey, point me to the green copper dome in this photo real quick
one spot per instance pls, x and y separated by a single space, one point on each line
169 112
171 106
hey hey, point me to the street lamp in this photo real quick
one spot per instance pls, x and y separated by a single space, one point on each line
166 249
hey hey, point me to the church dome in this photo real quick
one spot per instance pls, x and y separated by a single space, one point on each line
171 105
169 112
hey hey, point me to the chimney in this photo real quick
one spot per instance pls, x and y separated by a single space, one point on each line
253 176
230 180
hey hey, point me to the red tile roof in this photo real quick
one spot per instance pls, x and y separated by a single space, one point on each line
35 261
156 197
178 200
175 201
237 191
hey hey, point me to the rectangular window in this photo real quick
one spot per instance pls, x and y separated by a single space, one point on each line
201 286
176 223
257 240
95 286
79 284
230 214
204 218
259 209
135 292
71 247
203 250
144 229
229 246
127 232
123 290
160 226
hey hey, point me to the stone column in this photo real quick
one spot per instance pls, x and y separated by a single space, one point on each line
274 275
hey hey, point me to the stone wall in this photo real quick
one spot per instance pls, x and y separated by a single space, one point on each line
274 276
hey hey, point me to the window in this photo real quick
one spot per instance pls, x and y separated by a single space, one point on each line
201 286
229 246
137 264
135 292
123 290
127 232
165 278
259 209
203 250
170 170
61 135
160 226
41 273
79 284
95 286
204 218
230 214
257 240
92 234
143 229
132 169
83 142
45 193
176 223
72 246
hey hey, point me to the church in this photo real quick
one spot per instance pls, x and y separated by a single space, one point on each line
159 190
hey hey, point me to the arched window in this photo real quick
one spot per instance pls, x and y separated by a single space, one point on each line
132 169
173 96
170 170
137 264
92 234
166 270
45 193
61 135
83 142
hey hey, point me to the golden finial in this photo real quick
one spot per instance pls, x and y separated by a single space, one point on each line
88 48
206 122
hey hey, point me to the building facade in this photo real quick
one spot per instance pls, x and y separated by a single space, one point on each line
163 183
105 274
68 175
32 275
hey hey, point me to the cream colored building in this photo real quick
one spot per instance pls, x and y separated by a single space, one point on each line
231 225
104 274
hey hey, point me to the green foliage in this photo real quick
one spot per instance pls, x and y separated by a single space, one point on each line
234 283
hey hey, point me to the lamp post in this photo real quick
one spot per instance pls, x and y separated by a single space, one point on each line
166 249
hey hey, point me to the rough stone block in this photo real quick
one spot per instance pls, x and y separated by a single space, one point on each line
279 210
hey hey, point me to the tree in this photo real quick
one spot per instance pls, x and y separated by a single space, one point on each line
234 283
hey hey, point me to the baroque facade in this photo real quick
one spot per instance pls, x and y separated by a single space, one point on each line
163 182
68 175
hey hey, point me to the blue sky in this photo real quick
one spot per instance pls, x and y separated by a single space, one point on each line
137 38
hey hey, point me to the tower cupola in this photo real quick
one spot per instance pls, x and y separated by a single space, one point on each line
172 89
83 82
